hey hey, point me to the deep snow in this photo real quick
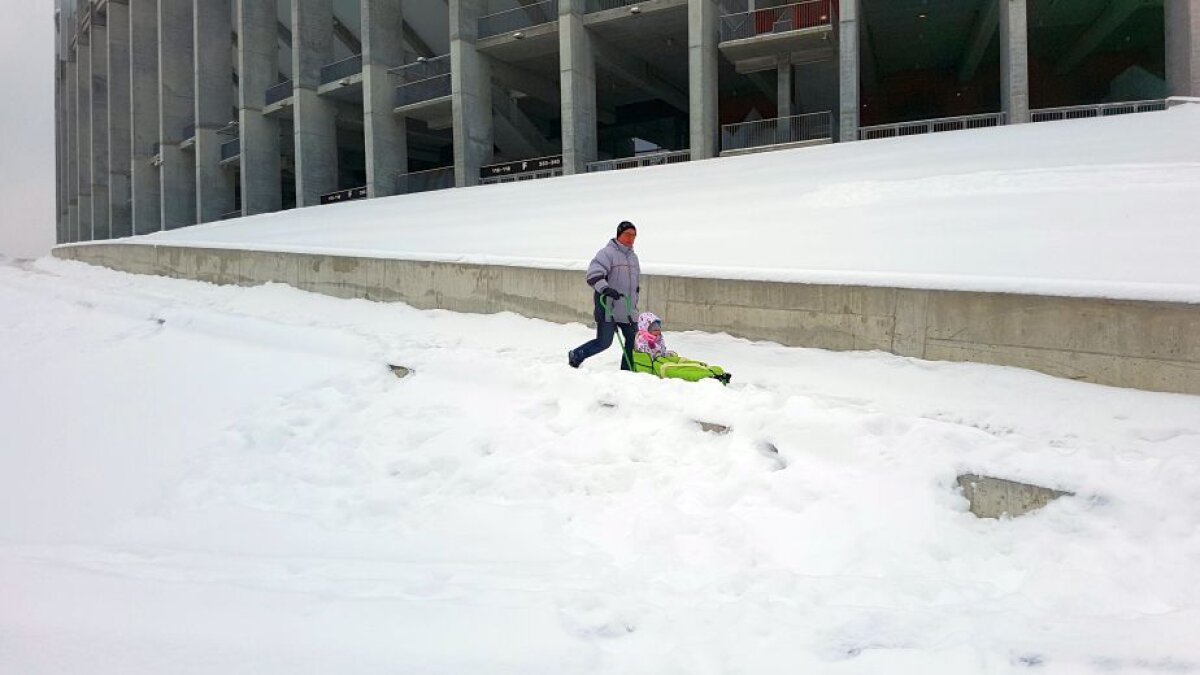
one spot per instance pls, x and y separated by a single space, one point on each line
1103 208
201 479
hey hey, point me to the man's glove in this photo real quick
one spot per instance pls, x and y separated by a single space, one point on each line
611 293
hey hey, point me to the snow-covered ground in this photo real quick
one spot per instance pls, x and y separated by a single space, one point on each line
1103 208
201 479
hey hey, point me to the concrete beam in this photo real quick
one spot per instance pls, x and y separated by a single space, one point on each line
1183 47
385 134
346 36
848 71
214 106
515 135
1014 60
471 93
417 45
146 208
314 117
100 205
516 78
577 75
176 110
986 23
1109 21
120 214
635 71
258 68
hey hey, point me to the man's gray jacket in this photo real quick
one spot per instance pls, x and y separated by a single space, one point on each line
616 267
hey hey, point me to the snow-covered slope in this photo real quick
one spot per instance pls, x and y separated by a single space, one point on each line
202 479
1103 207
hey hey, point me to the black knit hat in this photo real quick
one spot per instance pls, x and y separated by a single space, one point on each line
625 225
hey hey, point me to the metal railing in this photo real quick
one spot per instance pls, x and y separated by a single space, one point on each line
601 5
231 149
236 213
739 22
425 80
279 92
335 71
777 131
533 14
1078 112
932 126
429 180
649 159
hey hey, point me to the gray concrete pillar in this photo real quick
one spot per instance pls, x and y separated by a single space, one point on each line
577 81
702 78
783 98
471 92
1014 60
314 117
60 146
146 207
71 152
848 66
176 110
214 107
385 133
258 68
120 216
83 125
99 45
1183 47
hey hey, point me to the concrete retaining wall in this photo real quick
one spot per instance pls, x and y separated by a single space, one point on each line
1146 345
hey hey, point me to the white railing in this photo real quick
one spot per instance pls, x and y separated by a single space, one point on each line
650 159
777 131
508 21
738 22
440 178
932 126
1078 112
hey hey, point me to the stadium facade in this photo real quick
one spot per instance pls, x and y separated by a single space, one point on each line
177 112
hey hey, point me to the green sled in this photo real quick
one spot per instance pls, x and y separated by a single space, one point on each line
678 368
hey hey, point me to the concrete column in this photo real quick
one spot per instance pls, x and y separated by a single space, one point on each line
385 134
1014 60
83 125
848 65
60 145
143 114
577 81
71 152
258 68
1183 47
702 78
120 215
212 34
471 91
100 228
176 110
784 87
315 118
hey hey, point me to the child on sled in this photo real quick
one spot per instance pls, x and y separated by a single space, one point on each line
650 355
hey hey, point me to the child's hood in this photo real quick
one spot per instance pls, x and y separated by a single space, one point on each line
645 319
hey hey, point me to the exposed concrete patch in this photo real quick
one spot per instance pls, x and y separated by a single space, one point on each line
712 428
996 497
400 371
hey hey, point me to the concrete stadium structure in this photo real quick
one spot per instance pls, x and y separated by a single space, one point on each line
176 112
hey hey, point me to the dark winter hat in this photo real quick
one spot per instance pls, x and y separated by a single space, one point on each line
625 225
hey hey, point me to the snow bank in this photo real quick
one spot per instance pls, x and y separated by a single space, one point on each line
199 479
1101 208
